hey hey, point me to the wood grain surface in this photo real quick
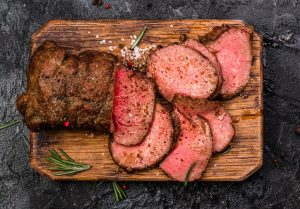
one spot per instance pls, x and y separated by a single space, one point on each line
245 156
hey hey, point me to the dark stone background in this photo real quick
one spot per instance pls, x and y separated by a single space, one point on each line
275 185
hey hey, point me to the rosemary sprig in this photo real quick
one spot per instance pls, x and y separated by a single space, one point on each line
65 166
137 41
188 174
9 124
119 192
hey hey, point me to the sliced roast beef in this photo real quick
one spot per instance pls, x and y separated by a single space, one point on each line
217 116
202 49
134 102
232 47
178 69
152 149
193 148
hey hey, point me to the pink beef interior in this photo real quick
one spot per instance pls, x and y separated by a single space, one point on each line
217 116
182 70
134 101
155 146
233 51
194 146
199 47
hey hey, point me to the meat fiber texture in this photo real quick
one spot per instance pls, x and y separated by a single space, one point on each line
134 103
217 116
65 87
152 149
203 50
232 47
194 147
178 69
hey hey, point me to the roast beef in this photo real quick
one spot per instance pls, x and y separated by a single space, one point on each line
232 47
134 102
194 148
178 69
202 49
152 149
68 90
217 116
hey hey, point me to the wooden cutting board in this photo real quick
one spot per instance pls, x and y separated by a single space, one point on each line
241 161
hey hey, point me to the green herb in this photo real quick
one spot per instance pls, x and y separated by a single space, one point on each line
119 192
9 124
188 174
226 150
98 184
65 166
139 38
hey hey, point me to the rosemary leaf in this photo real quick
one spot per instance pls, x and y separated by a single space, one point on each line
9 124
119 193
66 155
115 190
188 173
101 182
137 41
67 166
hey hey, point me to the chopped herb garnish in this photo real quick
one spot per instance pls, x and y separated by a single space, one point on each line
226 150
119 192
137 41
188 173
65 166
9 124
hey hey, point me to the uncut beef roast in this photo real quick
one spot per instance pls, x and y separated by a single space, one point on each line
193 149
216 115
178 69
152 149
232 47
65 89
134 102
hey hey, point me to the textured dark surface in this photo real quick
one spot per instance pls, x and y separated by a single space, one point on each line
275 185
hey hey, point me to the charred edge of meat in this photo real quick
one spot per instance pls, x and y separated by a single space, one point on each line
173 144
217 31
236 93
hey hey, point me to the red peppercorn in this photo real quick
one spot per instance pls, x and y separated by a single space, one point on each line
66 123
129 64
107 6
124 187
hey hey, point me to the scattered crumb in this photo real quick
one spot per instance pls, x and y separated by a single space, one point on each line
215 165
122 39
171 26
110 42
97 36
138 56
89 32
103 154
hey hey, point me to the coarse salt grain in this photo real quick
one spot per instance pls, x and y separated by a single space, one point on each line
171 26
122 39
134 36
97 36
110 42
